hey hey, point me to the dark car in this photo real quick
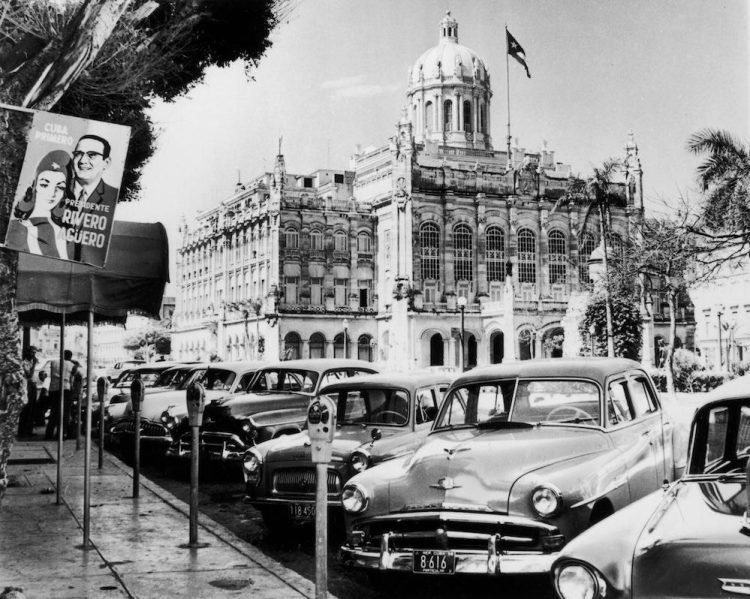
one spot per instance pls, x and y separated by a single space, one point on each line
274 404
161 413
379 417
690 540
523 457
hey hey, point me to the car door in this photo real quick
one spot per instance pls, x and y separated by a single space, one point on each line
631 435
655 422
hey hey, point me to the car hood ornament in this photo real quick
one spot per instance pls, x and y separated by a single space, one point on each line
451 451
446 483
738 586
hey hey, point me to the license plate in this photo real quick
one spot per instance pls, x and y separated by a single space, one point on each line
434 562
302 512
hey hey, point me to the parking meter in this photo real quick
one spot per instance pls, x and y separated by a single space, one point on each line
196 403
136 394
321 424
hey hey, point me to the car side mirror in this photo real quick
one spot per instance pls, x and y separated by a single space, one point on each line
376 435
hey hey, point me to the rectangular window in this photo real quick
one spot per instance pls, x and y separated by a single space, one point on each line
495 270
316 291
365 292
340 287
430 293
308 182
338 178
290 293
496 292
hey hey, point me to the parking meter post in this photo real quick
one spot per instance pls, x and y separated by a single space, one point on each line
321 425
101 391
87 440
195 397
136 397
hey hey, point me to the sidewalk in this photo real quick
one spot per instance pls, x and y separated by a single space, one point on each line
138 544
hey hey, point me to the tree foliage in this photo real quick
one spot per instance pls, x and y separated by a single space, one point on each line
626 327
155 340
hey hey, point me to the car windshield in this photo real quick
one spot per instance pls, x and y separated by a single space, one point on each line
505 402
149 378
388 407
282 379
217 379
177 378
721 444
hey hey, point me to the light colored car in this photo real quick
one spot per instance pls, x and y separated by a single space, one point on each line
379 417
522 458
113 372
690 540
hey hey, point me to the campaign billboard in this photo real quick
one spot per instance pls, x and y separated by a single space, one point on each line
68 187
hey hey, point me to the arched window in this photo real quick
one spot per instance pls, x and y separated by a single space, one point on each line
317 345
338 346
586 245
467 116
618 247
291 238
339 242
447 115
463 252
495 242
436 350
364 243
429 250
316 240
429 111
558 258
364 348
292 344
526 256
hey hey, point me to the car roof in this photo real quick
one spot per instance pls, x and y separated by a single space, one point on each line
154 366
738 389
591 368
400 380
237 365
321 364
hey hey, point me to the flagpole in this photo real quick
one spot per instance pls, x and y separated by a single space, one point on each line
507 87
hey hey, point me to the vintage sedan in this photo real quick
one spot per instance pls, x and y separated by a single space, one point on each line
379 417
162 412
521 458
690 540
275 404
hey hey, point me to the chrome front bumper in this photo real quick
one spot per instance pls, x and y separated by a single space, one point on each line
225 447
489 562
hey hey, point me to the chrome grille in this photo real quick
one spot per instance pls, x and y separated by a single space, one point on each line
148 428
303 481
436 533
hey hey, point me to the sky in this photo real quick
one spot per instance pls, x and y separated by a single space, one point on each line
336 77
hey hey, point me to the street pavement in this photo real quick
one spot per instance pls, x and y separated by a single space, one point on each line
138 547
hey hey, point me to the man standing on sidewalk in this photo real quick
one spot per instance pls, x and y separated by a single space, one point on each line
56 386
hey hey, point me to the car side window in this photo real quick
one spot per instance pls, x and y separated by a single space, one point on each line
332 376
743 432
718 423
618 409
426 407
640 397
244 382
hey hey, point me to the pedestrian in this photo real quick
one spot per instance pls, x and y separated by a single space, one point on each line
76 392
26 421
42 400
61 379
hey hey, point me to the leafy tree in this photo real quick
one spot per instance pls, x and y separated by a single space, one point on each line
626 327
724 176
106 60
151 341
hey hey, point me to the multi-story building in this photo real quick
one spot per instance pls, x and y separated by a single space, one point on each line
430 236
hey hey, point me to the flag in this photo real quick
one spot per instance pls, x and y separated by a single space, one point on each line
516 51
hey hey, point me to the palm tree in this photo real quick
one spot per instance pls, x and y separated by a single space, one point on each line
599 194
724 177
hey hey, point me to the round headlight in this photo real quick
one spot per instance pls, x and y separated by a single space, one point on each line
575 581
354 499
360 460
547 500
251 466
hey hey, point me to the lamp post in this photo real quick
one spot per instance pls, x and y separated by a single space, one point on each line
461 302
346 334
719 312
592 332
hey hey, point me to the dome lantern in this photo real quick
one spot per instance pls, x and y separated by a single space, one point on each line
449 29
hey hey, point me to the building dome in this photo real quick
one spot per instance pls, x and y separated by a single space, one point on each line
448 59
448 97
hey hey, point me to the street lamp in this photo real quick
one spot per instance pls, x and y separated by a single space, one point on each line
461 302
346 334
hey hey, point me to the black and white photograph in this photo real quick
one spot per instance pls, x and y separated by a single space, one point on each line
397 299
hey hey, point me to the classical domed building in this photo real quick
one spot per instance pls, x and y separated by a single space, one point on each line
433 229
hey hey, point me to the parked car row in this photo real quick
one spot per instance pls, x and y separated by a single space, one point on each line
563 466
